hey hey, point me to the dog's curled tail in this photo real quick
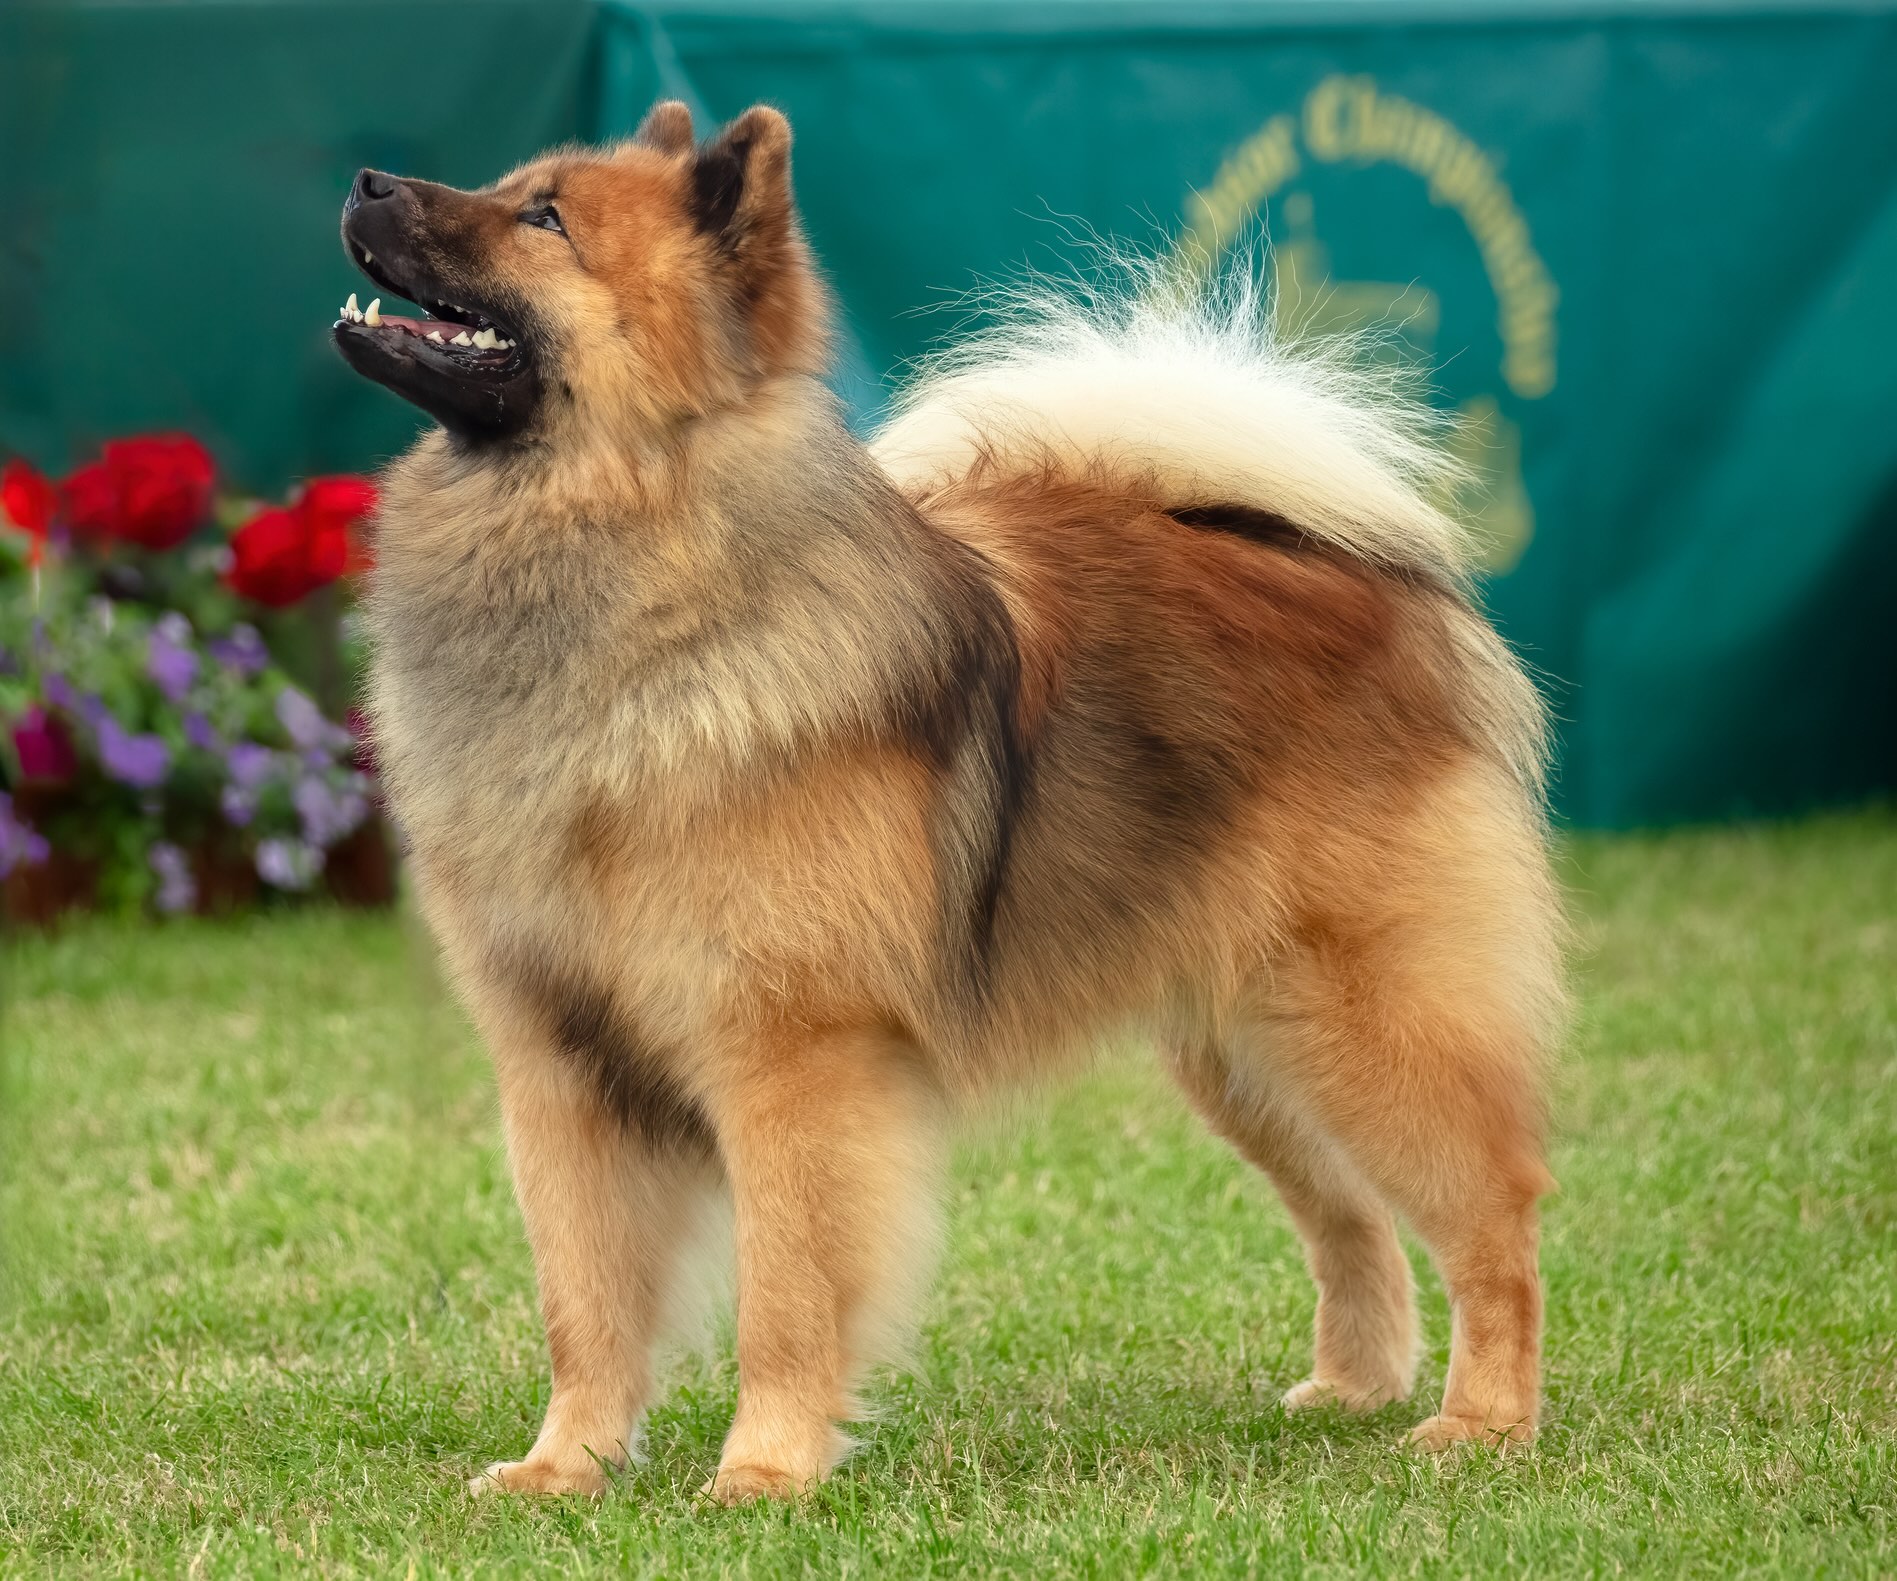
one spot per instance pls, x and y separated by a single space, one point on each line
1177 386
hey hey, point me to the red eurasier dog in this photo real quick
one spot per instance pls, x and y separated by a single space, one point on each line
772 795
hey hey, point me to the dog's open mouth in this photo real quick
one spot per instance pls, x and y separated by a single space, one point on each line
473 339
463 337
465 364
455 328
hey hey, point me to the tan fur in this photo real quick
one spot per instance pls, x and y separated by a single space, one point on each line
767 811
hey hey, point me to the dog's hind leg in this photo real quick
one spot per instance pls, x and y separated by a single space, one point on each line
609 1208
1427 1079
1365 1350
833 1146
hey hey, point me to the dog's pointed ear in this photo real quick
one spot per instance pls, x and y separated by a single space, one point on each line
741 201
741 180
667 127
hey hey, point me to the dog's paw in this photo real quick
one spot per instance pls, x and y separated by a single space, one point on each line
735 1485
1446 1432
537 1476
1349 1397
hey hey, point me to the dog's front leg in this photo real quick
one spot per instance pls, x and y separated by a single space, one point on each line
832 1146
608 1207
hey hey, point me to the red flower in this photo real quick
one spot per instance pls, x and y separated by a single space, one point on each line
152 491
346 502
270 559
27 498
284 554
28 501
44 748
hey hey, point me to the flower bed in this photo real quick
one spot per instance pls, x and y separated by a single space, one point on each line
174 674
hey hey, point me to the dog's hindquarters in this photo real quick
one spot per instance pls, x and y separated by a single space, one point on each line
1245 546
1388 1060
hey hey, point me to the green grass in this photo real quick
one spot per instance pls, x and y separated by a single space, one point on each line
268 1301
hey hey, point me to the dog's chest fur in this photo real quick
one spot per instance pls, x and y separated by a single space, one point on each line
611 737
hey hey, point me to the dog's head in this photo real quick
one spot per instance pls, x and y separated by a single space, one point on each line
629 286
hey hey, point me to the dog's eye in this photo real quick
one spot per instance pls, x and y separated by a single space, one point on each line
546 217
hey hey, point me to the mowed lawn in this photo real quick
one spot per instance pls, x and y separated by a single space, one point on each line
268 1302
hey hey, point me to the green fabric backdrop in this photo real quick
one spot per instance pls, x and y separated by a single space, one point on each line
1648 252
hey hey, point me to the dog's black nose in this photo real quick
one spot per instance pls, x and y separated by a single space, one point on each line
371 187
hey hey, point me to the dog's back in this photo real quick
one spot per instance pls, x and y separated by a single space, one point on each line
1253 679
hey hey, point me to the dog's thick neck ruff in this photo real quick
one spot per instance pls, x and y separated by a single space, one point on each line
733 599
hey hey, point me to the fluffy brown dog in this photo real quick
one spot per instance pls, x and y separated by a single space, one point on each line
772 795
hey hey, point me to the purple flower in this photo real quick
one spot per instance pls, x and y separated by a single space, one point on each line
329 814
169 659
288 864
58 691
249 764
239 806
177 889
198 731
307 727
20 843
242 651
140 761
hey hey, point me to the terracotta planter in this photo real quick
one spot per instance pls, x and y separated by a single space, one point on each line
39 895
361 870
225 876
36 896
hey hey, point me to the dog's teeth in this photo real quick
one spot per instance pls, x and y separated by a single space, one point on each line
461 340
349 307
373 315
367 256
435 336
485 339
507 345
